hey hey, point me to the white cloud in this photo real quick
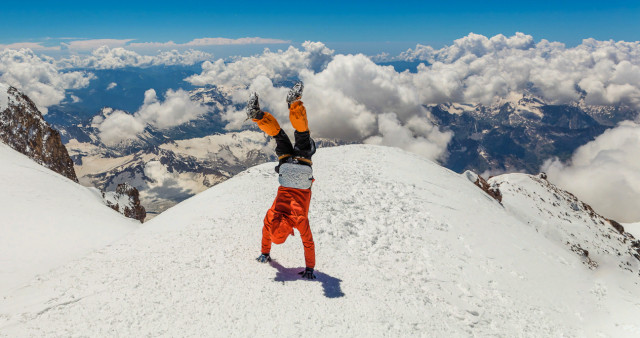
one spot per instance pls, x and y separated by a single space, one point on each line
481 69
30 45
417 136
105 57
112 85
605 173
157 173
187 57
277 66
347 96
350 97
177 108
208 42
472 44
118 126
90 44
85 45
38 77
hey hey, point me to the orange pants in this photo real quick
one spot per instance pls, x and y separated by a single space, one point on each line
290 210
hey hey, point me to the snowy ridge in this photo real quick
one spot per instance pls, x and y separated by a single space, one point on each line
404 247
233 148
524 106
47 220
562 218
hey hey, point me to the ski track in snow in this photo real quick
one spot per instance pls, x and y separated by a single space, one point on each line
403 247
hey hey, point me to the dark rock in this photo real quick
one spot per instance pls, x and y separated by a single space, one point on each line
23 128
132 207
491 190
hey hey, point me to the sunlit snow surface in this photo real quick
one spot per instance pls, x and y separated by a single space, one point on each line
404 247
47 220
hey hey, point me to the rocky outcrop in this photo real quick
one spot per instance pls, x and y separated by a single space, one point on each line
126 200
23 128
491 190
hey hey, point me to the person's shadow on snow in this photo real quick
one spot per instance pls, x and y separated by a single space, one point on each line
331 285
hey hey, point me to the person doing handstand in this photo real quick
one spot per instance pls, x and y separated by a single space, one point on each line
290 209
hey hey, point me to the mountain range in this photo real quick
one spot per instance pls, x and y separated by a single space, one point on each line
169 165
520 132
515 134
23 128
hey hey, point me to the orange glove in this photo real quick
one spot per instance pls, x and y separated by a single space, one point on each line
268 124
298 116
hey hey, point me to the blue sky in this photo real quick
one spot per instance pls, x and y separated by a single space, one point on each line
344 25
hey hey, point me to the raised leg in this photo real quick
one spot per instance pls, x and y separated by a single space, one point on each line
284 148
305 146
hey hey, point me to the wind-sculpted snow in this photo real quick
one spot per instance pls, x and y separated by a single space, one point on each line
404 247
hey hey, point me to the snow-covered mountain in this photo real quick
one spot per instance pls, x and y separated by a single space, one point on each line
173 171
168 165
404 247
521 131
559 216
23 128
125 200
169 172
47 220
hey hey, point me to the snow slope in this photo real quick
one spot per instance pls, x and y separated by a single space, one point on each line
560 217
47 220
404 247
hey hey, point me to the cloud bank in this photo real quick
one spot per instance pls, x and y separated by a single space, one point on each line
38 77
347 96
605 173
352 98
105 57
177 108
276 66
80 45
479 69
208 42
88 45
